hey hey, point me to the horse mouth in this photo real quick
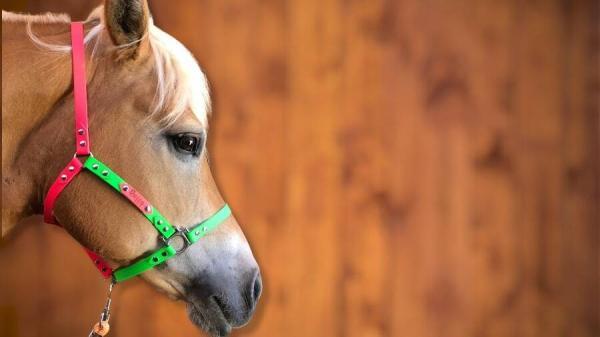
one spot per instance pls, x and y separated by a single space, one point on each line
209 317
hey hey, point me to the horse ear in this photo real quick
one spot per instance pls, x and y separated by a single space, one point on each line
127 24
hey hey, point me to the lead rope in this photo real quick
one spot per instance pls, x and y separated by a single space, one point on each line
102 328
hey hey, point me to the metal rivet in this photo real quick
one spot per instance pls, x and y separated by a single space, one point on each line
204 229
82 143
63 177
125 188
148 208
197 232
155 259
95 166
160 222
103 269
71 168
81 131
105 173
165 229
164 253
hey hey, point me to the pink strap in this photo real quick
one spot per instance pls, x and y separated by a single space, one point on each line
64 178
136 198
79 90
99 262
82 139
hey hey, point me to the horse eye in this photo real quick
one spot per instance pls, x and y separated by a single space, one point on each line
188 143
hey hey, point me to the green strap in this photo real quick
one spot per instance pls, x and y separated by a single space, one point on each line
160 223
208 225
149 262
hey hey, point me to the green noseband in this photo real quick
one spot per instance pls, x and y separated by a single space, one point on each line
167 232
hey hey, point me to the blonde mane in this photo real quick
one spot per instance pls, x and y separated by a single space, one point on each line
181 84
40 18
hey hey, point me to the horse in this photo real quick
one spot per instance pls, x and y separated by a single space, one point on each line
149 105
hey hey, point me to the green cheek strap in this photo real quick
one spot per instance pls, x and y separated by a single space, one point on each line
167 232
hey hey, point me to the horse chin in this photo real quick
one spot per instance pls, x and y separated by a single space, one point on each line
172 289
209 318
205 314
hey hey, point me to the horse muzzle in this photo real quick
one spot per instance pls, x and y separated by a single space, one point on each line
218 304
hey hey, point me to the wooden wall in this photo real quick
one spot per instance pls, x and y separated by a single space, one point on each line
415 168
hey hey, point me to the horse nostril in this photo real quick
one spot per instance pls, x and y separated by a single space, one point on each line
256 289
219 303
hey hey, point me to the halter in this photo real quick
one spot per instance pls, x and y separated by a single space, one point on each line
166 231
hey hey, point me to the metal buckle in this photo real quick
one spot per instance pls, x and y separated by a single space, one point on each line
83 156
179 233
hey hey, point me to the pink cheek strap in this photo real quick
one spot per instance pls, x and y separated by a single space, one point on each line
82 140
64 178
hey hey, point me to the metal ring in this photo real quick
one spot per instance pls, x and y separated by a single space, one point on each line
179 232
87 155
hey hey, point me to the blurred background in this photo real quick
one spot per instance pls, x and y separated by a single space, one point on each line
401 168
